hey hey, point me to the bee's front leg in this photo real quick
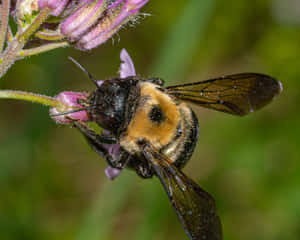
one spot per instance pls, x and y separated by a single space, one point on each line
90 134
106 146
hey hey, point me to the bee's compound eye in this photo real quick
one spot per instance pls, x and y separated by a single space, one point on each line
156 114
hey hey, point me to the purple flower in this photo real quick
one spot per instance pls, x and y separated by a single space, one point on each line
82 19
70 102
127 68
57 6
96 21
112 173
89 23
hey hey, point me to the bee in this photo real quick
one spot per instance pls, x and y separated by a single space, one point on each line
155 131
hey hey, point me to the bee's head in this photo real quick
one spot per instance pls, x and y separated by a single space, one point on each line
113 103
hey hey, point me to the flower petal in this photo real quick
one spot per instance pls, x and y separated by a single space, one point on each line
70 101
99 82
118 14
83 18
127 68
112 173
57 5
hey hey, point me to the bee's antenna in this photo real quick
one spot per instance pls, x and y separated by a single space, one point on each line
84 70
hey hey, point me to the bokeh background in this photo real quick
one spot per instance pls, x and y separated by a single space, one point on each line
52 185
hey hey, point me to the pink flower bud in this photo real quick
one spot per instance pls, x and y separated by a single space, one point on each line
112 173
95 21
127 68
89 23
118 14
70 102
57 5
82 19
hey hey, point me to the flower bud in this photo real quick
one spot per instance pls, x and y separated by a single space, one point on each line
100 82
95 21
57 5
27 10
83 18
69 102
113 150
112 173
127 68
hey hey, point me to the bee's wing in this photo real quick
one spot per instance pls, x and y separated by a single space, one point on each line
195 208
238 94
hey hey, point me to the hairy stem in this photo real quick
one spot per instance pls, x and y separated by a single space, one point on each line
33 27
9 34
41 49
10 55
31 97
49 35
4 21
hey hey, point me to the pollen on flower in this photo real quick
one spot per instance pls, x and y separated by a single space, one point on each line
28 10
28 6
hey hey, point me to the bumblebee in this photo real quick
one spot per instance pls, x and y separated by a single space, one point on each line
155 132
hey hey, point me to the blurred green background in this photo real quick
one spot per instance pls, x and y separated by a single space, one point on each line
52 185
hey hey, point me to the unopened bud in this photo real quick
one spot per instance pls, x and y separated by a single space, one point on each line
70 102
112 173
27 10
83 18
56 5
95 21
127 68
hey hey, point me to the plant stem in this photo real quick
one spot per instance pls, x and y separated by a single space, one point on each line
49 35
41 49
9 34
33 27
10 55
31 97
5 7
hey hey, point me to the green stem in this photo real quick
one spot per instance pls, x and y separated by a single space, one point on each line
4 21
31 97
33 27
41 49
9 34
10 55
49 35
